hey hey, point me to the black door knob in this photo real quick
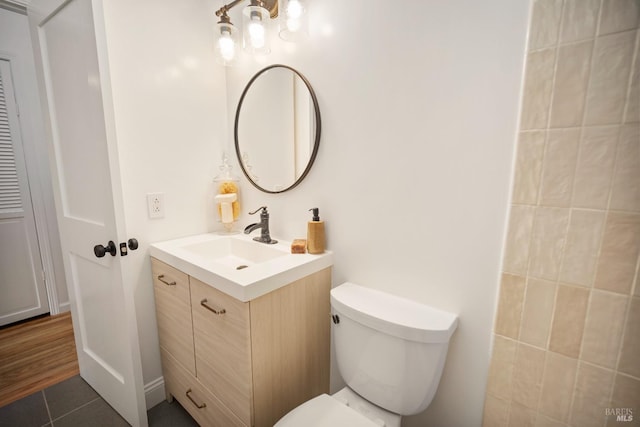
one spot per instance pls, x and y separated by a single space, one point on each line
101 251
133 244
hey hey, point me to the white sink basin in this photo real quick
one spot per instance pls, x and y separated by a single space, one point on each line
235 253
237 265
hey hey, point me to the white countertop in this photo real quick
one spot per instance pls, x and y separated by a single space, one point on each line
259 278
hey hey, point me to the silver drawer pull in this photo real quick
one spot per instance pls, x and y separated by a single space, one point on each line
204 405
161 278
208 307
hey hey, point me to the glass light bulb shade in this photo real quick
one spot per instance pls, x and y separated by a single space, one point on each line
226 43
294 10
255 23
293 20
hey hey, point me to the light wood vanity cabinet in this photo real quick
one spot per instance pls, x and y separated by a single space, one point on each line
233 363
223 347
173 313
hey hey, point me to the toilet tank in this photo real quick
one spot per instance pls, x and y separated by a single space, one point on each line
390 350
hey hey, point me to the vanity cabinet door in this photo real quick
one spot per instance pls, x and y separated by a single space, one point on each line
223 347
173 313
203 406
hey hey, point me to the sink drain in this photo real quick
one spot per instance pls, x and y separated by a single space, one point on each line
240 267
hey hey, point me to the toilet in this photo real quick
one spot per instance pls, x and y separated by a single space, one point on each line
390 352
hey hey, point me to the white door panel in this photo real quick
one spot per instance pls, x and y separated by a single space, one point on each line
88 194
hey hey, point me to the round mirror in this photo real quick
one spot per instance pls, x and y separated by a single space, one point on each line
277 129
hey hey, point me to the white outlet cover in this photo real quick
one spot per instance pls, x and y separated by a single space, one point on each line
155 205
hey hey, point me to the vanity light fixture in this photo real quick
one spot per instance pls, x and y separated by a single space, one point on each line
256 23
293 25
226 40
255 20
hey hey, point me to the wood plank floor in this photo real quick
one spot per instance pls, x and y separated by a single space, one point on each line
35 355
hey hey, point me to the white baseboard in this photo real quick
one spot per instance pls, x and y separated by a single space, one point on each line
154 392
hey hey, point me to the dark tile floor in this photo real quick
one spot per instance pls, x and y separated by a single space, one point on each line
73 403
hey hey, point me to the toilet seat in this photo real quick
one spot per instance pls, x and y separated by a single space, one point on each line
324 411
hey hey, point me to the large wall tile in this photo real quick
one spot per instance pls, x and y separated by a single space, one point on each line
538 309
510 305
528 170
625 194
619 252
593 388
527 375
559 167
609 78
547 242
545 23
516 257
557 386
630 355
570 89
521 416
582 247
537 89
595 167
499 382
603 328
496 412
568 320
579 20
619 15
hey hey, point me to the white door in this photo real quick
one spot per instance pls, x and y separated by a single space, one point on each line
22 288
71 52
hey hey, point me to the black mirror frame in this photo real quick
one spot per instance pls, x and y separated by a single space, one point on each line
316 144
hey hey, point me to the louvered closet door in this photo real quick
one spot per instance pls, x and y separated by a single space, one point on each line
22 288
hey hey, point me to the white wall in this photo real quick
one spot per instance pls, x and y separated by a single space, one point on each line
169 106
419 106
15 43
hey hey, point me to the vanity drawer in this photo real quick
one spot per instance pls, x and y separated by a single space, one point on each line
205 408
173 312
223 347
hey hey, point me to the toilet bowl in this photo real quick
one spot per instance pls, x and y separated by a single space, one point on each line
390 351
325 411
343 409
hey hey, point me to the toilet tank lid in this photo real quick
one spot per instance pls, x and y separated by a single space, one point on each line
393 315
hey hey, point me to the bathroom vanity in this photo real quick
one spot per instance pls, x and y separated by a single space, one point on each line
241 347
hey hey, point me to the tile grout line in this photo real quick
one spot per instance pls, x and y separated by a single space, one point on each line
632 71
75 409
46 405
587 314
581 40
557 48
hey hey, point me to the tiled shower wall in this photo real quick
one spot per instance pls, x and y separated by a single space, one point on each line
567 330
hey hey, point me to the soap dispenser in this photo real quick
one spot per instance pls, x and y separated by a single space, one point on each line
315 233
